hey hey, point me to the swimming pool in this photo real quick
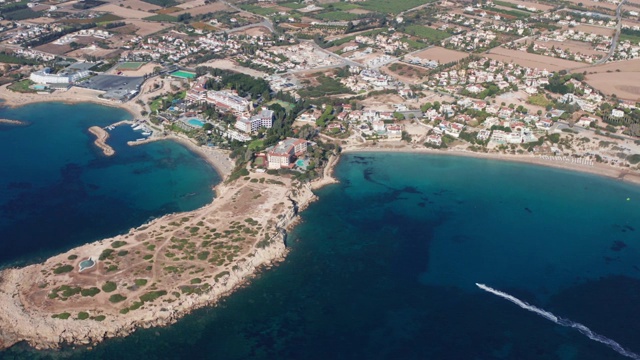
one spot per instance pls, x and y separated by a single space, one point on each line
183 74
195 123
86 264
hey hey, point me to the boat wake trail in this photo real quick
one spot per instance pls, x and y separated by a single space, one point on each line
563 322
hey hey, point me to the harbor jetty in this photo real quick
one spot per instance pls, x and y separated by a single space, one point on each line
101 140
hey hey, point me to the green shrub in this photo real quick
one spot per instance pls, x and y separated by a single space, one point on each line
152 295
141 282
62 316
105 254
118 243
122 253
72 257
109 286
82 315
63 269
99 318
90 292
116 298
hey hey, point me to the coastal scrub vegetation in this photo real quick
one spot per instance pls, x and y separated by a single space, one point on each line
116 298
109 286
62 269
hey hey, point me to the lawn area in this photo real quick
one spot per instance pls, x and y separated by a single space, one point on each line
162 18
428 33
256 144
130 65
539 100
392 7
414 45
508 4
337 16
514 13
286 105
22 86
631 35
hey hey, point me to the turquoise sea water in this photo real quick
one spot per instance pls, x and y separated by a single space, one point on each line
384 266
58 190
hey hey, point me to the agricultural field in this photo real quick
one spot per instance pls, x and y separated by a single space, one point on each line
264 11
123 12
161 18
337 16
162 3
598 30
426 33
532 60
514 4
100 19
341 6
204 9
292 5
393 7
144 28
441 55
140 5
21 14
407 73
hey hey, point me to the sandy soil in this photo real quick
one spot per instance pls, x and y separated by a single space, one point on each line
123 11
411 74
536 5
73 95
208 8
626 85
146 28
598 30
523 58
230 65
441 54
191 4
594 4
143 70
254 31
573 46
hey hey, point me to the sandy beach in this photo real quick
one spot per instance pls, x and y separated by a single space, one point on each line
597 169
71 96
101 140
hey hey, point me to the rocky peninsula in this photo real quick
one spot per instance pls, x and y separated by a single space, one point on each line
154 274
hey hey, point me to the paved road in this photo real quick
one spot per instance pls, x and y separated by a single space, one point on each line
266 21
616 36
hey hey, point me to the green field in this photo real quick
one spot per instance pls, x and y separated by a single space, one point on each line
293 5
162 18
342 6
514 13
427 33
337 16
393 7
257 9
163 3
346 39
21 14
130 65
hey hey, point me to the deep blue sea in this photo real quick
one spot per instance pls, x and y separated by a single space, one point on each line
384 266
57 189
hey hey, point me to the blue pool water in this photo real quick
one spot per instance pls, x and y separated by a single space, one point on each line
85 264
195 122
